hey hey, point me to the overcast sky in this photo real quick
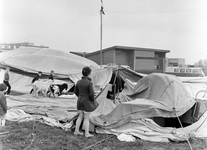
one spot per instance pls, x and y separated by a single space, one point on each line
74 25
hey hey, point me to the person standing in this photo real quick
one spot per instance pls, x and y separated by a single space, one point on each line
6 80
52 74
35 79
3 104
86 101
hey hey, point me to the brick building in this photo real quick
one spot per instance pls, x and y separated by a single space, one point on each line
145 60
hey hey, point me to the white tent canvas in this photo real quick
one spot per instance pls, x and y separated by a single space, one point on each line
25 63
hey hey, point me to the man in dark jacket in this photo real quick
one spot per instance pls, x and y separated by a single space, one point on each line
52 74
36 78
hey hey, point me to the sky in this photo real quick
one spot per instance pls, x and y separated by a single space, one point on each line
74 25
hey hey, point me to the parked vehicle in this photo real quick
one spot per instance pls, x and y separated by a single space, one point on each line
185 71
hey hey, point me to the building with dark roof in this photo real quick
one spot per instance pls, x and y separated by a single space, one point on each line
145 60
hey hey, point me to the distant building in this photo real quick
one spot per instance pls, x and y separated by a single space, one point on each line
10 46
175 62
145 60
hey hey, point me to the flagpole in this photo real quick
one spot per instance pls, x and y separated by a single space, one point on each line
101 34
101 29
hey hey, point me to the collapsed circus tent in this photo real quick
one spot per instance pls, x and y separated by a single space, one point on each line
156 96
25 62
144 97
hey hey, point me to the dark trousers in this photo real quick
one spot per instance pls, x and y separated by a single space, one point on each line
8 85
32 88
31 91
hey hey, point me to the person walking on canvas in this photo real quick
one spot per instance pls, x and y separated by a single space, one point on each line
35 79
86 101
52 74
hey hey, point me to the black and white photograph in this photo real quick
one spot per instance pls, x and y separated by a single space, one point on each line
103 74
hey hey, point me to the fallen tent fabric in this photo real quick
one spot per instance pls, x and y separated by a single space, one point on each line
167 97
21 116
20 81
166 90
147 129
51 111
156 95
128 115
109 118
25 62
31 59
58 108
129 74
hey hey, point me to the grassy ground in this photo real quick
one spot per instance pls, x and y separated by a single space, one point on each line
38 136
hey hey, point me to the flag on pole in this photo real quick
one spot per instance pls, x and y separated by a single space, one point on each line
102 8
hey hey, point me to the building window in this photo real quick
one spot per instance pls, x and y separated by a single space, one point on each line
176 70
196 71
188 70
182 70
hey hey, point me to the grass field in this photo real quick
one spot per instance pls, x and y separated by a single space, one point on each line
34 135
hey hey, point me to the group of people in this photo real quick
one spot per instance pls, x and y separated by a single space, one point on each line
5 89
86 102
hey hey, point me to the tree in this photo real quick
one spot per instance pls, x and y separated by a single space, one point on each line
201 63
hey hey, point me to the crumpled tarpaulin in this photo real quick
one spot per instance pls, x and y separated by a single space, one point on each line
51 111
129 74
58 108
156 95
133 116
146 128
26 62
20 116
32 59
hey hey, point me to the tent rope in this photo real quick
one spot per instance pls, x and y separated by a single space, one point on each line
17 79
182 127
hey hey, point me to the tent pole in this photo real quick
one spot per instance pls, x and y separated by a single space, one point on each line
114 84
182 127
